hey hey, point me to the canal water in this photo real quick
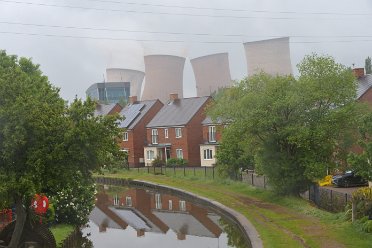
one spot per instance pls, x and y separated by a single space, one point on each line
141 217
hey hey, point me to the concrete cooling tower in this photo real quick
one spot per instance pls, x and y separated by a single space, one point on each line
211 73
271 56
164 75
135 78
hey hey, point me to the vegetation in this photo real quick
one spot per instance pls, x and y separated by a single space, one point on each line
45 145
176 162
293 130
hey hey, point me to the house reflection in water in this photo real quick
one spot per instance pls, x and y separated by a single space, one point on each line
147 211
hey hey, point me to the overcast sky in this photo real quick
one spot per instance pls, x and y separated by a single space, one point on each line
75 41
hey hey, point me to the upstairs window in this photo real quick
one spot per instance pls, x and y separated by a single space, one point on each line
166 133
154 136
158 204
212 134
182 205
128 201
178 132
125 136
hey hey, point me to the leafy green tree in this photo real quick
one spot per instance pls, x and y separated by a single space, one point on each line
294 128
362 162
43 142
368 65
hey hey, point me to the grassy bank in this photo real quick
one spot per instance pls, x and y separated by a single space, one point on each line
281 221
61 232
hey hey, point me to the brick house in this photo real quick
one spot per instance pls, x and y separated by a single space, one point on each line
137 115
211 138
107 109
176 131
364 90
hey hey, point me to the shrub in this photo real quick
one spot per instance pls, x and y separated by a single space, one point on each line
176 161
157 162
74 203
363 199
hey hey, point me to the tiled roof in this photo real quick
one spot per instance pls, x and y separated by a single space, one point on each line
208 121
178 112
133 113
364 83
103 109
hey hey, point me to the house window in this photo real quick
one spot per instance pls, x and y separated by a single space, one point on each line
208 154
212 133
125 136
154 136
182 206
179 153
150 155
166 133
178 132
158 201
128 201
170 205
116 200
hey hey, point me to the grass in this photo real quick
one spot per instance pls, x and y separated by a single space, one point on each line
61 232
280 221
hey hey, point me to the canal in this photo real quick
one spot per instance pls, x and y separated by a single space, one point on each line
143 217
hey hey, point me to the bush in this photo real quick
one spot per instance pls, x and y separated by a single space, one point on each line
176 162
74 203
158 162
363 199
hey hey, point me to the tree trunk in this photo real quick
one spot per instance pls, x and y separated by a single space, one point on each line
20 222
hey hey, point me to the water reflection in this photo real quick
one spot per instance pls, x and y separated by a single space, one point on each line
137 217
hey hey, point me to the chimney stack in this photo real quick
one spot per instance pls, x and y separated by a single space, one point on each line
358 72
173 96
132 99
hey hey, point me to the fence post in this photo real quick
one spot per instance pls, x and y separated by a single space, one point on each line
148 169
184 171
138 169
345 198
161 170
252 180
154 169
213 172
264 181
174 170
194 171
353 210
205 171
331 207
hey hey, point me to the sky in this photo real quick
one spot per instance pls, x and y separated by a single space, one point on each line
75 41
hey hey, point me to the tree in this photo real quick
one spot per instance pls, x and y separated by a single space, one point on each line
362 162
368 65
294 128
44 143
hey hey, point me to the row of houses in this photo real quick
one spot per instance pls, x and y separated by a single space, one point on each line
180 128
177 129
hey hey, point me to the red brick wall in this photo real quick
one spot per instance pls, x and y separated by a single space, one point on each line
367 97
137 137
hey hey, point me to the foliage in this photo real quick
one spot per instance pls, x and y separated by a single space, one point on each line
234 235
295 129
176 162
74 202
362 162
158 162
368 65
363 199
43 141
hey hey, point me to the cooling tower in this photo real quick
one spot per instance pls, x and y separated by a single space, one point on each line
271 56
164 75
211 73
135 78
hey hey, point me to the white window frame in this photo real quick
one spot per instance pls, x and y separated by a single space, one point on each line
208 154
166 133
182 205
150 154
178 131
170 204
125 136
154 136
128 201
116 200
158 204
212 133
179 153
